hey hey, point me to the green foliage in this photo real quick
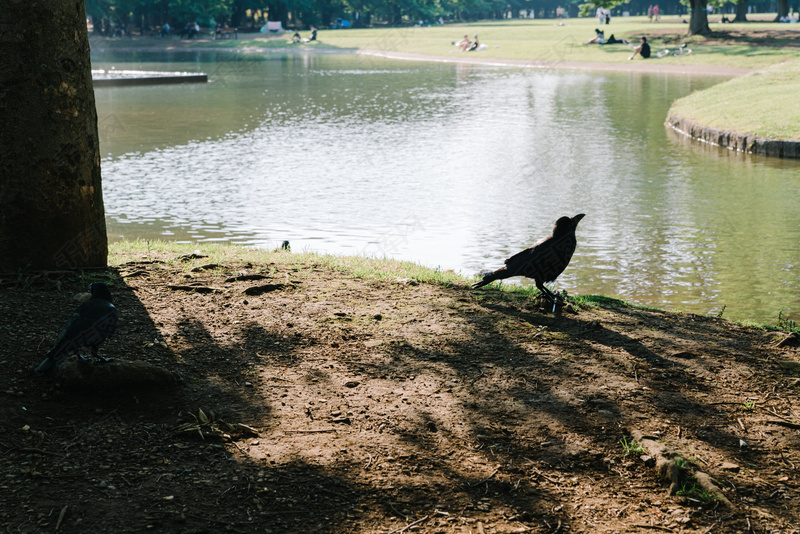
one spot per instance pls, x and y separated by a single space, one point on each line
786 324
693 492
632 447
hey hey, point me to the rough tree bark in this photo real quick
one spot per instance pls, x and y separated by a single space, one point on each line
741 11
783 9
51 203
698 23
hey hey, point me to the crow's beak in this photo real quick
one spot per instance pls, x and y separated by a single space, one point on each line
577 218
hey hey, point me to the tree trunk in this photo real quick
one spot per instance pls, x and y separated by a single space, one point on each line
783 9
698 23
51 203
741 11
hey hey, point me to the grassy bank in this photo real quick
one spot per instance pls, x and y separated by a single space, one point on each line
762 104
546 41
383 270
540 39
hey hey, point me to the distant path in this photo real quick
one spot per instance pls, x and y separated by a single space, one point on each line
641 65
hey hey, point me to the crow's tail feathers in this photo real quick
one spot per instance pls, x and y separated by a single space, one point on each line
491 277
46 366
52 362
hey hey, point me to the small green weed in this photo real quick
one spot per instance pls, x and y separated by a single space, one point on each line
693 492
632 447
786 324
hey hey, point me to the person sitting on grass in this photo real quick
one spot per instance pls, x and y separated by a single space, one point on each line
313 35
296 37
599 38
643 49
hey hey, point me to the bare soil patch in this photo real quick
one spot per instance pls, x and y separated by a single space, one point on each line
343 404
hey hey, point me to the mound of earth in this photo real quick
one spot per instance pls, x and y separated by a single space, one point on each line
311 400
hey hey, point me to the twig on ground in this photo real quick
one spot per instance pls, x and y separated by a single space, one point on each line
320 431
408 526
61 517
484 480
654 527
717 523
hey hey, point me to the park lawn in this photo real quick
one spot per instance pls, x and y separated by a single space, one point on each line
762 103
545 40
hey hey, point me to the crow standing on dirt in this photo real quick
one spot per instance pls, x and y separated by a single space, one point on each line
544 261
92 323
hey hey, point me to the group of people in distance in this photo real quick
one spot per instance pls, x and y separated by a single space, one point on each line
653 13
296 37
465 45
643 49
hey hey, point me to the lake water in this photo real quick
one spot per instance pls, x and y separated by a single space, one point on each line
453 166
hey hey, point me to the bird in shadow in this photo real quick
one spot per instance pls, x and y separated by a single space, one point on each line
544 261
90 324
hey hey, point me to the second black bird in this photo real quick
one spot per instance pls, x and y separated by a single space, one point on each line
544 261
90 324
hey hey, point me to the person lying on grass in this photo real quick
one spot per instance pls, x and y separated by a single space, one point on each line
600 38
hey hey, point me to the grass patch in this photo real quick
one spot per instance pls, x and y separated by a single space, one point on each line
691 491
381 269
631 448
539 39
782 324
761 104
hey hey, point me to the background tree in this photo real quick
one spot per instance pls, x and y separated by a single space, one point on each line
51 204
698 21
783 9
741 11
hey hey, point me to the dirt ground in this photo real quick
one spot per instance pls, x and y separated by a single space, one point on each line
334 404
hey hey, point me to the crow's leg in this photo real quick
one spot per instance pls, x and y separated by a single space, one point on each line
546 292
552 297
100 358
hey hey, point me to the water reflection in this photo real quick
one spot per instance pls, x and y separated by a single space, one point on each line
454 166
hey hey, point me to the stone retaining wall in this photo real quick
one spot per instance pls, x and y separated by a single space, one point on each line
747 143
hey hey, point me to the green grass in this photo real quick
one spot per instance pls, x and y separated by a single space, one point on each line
540 39
373 268
121 252
631 448
762 103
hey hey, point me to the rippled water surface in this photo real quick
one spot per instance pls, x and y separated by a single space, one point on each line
452 166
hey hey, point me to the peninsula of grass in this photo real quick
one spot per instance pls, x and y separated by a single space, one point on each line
761 104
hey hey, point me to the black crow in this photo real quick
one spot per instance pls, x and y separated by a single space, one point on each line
544 261
92 323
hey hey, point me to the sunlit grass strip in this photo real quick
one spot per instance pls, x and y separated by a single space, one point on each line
373 268
169 252
538 39
763 104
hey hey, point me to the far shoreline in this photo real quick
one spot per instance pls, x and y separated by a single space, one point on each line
650 66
